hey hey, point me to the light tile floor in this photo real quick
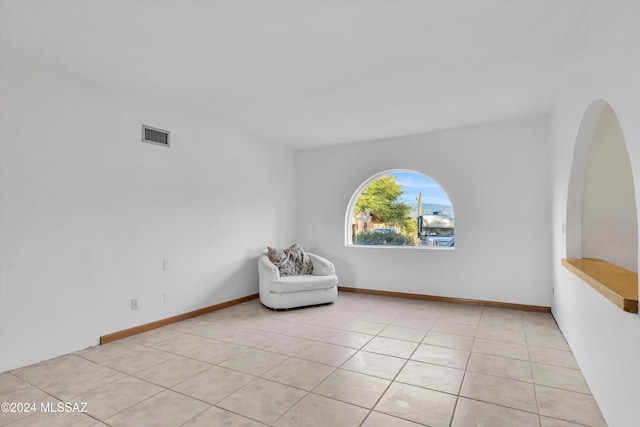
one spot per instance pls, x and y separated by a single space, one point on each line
362 361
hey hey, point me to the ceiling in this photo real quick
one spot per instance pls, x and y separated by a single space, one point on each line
311 73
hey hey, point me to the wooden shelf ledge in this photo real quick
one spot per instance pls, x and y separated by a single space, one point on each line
618 285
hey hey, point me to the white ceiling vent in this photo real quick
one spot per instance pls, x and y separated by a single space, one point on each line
155 136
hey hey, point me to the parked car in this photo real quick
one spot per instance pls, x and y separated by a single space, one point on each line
384 230
443 241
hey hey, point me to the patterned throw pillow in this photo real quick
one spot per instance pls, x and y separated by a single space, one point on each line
292 261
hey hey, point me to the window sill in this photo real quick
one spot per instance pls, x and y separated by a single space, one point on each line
405 247
618 285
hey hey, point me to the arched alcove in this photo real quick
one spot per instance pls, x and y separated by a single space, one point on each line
601 215
573 225
602 225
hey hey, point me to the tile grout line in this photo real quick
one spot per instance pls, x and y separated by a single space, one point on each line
364 311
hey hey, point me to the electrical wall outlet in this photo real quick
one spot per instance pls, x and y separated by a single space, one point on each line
134 304
165 298
166 265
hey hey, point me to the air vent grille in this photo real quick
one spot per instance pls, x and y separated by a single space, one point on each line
155 136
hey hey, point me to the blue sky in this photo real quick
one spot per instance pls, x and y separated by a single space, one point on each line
413 183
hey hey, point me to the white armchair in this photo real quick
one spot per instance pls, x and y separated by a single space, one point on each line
282 292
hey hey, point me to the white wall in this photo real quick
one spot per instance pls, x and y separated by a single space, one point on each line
497 177
89 212
604 339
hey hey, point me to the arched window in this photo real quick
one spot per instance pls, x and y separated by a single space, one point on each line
400 208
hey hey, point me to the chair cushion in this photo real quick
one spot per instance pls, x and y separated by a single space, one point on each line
306 282
292 261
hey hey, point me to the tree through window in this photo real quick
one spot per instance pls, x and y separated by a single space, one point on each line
401 208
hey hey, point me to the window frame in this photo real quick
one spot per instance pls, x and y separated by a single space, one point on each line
348 238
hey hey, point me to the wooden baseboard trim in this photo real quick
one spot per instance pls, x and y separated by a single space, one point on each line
169 320
524 307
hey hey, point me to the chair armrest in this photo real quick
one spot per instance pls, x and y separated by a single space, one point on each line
267 269
321 266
